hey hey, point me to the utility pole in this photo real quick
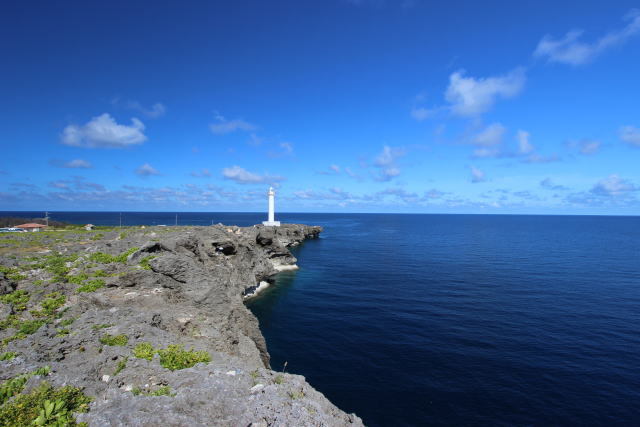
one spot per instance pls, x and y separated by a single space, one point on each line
120 219
176 220
46 218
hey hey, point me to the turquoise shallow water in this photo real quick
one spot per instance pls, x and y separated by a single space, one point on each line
455 319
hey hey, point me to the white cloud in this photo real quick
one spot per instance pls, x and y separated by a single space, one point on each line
469 96
490 136
524 145
550 185
146 170
72 164
387 162
477 175
243 176
78 164
613 186
421 113
335 168
570 50
630 135
103 131
157 110
224 126
589 147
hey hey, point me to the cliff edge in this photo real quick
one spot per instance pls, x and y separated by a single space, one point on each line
150 323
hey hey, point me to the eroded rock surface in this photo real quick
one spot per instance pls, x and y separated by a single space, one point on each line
184 285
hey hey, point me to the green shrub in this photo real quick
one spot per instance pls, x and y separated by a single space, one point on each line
45 405
176 357
144 262
121 365
122 258
52 302
78 278
101 257
28 327
144 350
56 264
16 276
8 355
161 391
17 299
97 236
62 332
67 322
116 340
102 326
13 386
100 273
38 282
91 286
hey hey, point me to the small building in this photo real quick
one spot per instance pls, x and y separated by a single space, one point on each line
32 226
89 227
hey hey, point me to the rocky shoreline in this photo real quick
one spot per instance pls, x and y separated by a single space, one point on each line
150 324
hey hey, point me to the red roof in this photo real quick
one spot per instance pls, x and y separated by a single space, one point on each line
30 225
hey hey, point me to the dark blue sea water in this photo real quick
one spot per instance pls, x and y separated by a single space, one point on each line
457 319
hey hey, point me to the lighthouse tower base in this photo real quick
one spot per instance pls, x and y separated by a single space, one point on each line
271 223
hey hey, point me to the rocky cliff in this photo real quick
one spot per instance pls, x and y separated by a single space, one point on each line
150 323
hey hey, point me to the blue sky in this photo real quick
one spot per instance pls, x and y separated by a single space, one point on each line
342 105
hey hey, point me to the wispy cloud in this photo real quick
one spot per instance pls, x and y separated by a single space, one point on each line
477 175
585 146
524 145
630 135
203 173
71 164
387 163
147 170
613 186
243 176
156 110
571 50
223 126
103 132
470 96
550 185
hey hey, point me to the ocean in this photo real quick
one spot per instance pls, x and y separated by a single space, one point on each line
455 319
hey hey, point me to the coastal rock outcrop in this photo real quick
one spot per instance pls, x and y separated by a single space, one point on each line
133 297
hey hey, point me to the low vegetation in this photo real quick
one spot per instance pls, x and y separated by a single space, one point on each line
45 406
144 350
114 340
17 299
175 357
91 286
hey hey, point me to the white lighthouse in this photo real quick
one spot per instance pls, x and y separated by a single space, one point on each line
272 210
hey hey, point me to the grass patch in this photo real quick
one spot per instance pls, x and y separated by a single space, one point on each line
114 340
102 326
17 299
161 391
63 332
279 379
100 273
120 366
103 258
91 286
50 304
97 236
176 357
67 322
45 405
13 386
78 278
144 350
9 355
144 262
